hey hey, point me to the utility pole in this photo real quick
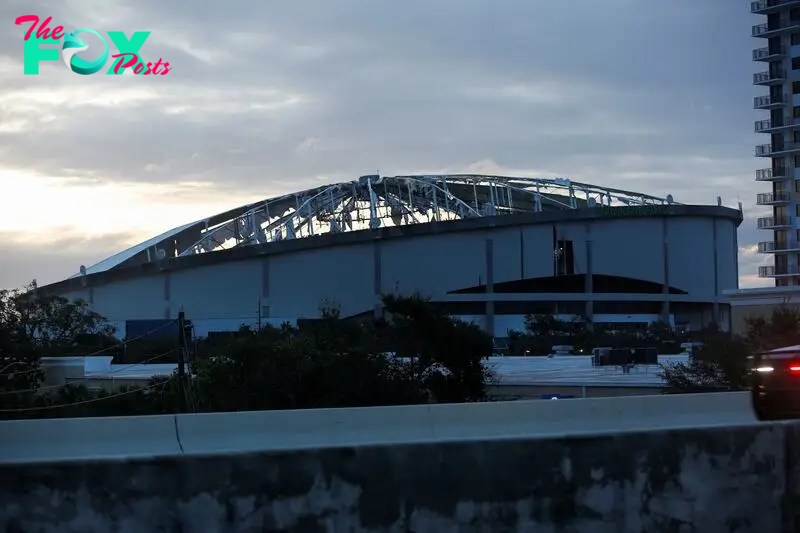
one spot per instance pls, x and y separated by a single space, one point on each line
182 355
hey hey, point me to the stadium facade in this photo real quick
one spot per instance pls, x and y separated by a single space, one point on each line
489 249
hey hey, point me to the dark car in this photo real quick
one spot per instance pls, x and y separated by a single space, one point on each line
776 384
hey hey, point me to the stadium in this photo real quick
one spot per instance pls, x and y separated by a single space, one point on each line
489 249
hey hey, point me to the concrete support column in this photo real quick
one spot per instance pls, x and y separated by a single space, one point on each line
167 295
489 315
665 307
735 257
264 309
377 278
589 286
716 272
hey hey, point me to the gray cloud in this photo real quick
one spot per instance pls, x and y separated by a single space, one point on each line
24 261
641 95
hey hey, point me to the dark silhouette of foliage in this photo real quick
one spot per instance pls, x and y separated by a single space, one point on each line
32 326
725 360
542 332
446 354
415 354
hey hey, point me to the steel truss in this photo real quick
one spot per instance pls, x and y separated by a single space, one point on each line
372 202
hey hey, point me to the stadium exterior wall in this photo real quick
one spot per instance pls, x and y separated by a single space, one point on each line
691 249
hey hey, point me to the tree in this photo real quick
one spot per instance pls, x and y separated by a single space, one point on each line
330 362
327 363
446 354
51 321
724 361
720 364
659 331
415 355
781 329
545 325
33 325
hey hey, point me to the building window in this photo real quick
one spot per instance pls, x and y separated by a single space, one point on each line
796 63
796 112
795 39
797 189
796 87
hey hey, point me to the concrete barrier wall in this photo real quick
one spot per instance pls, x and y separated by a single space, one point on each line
62 439
87 438
741 479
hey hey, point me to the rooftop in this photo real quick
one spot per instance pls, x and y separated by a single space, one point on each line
372 202
577 370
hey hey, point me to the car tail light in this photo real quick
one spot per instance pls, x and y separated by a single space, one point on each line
794 367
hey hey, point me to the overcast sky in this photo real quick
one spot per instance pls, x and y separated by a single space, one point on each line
274 96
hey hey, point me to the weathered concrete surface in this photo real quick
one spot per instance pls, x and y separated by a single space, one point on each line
705 480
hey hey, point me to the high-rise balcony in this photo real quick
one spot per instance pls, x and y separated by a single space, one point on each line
767 150
773 272
768 54
770 174
768 30
769 77
764 7
762 125
772 198
774 222
772 247
767 126
768 102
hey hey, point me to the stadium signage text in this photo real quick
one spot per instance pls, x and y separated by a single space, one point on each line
634 211
128 56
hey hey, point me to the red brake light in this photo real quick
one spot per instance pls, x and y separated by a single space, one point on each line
794 367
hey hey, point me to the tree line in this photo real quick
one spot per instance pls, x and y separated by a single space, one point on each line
542 332
413 354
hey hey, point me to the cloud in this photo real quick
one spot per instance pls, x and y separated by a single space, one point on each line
272 97
49 261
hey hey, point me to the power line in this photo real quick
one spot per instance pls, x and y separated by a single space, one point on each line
51 387
98 352
84 402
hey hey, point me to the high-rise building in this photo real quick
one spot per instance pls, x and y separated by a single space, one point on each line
781 55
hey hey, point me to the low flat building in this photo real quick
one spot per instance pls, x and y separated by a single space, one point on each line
527 378
98 373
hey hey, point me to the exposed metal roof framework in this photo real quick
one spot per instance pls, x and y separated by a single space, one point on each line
372 202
